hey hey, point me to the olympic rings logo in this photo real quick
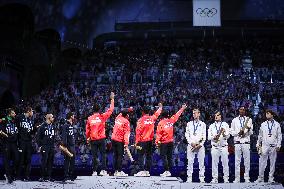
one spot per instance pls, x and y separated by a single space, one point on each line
206 12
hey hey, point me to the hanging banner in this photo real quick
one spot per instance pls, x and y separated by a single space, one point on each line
206 13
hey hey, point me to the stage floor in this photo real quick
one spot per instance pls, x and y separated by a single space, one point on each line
89 182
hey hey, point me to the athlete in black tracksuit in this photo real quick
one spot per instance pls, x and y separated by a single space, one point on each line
26 131
8 126
68 140
46 139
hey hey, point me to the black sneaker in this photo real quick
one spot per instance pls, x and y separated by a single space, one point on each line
10 180
51 179
66 179
73 178
27 179
41 179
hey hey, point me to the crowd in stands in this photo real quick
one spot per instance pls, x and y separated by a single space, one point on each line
201 73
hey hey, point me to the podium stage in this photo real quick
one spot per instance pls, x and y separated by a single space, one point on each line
111 182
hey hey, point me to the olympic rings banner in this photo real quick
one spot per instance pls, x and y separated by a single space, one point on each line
206 13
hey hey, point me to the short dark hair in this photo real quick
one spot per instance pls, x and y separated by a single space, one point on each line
218 111
165 114
69 115
146 109
270 111
96 107
28 109
124 112
196 109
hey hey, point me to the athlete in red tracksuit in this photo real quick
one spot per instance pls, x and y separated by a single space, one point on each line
120 140
165 138
144 138
95 134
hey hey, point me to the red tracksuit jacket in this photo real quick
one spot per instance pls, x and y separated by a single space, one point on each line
145 127
95 126
121 130
165 130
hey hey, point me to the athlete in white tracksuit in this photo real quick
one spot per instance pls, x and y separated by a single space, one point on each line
219 147
269 142
242 143
195 135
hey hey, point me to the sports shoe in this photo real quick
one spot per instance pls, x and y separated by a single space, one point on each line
259 180
103 173
189 180
271 180
116 173
214 180
50 179
247 180
166 174
122 174
226 180
140 174
237 180
41 179
202 179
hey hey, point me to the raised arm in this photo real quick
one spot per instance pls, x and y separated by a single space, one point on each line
158 112
109 111
175 117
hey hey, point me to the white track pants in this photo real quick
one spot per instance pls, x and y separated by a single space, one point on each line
270 152
216 153
242 149
190 158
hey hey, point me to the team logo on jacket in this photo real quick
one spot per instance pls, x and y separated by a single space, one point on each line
168 125
148 122
96 120
27 126
118 122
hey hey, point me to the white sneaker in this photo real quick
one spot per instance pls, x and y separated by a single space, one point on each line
189 180
103 173
122 174
271 180
140 174
214 180
247 180
166 174
259 180
147 174
116 173
202 179
226 180
95 173
237 180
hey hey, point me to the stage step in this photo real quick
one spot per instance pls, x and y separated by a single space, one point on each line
111 182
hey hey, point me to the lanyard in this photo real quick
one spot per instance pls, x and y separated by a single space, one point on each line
242 124
195 128
270 128
218 130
